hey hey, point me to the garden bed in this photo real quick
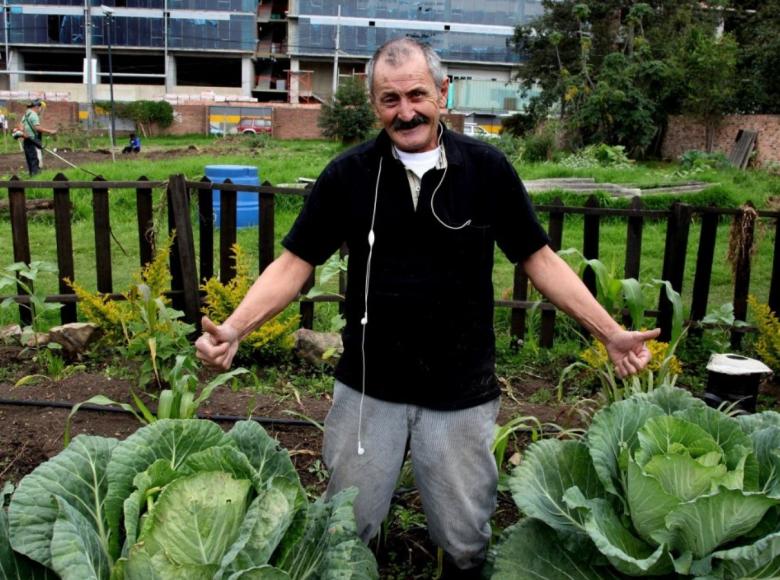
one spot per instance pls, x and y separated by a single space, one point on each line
33 432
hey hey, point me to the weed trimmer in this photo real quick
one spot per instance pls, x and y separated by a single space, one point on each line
61 158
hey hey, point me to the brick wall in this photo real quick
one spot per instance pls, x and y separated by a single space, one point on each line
56 114
189 120
296 122
684 133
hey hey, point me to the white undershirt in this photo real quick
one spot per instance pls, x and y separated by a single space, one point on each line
417 165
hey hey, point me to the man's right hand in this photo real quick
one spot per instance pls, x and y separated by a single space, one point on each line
218 344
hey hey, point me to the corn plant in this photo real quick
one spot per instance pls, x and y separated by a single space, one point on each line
180 401
614 295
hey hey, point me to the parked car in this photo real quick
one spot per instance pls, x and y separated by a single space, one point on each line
474 130
253 126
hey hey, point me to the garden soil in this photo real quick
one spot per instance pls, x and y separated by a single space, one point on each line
32 433
14 164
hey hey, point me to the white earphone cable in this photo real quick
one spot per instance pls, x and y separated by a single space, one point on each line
364 320
433 195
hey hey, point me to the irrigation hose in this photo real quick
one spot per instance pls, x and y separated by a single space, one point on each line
271 421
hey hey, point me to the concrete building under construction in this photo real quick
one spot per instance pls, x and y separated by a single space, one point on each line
291 51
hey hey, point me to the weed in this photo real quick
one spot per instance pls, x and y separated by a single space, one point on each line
542 396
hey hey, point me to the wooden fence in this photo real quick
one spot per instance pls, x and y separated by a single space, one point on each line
188 271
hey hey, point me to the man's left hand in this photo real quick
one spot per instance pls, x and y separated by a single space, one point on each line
628 351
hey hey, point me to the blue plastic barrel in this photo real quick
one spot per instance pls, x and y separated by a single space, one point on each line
247 202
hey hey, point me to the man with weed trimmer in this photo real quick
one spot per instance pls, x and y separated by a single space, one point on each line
32 133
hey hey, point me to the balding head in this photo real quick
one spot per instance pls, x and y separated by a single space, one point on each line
398 51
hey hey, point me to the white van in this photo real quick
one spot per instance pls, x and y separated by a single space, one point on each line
474 130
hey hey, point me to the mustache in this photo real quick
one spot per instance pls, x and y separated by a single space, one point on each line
418 119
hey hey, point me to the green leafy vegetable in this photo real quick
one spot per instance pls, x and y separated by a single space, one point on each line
661 485
179 499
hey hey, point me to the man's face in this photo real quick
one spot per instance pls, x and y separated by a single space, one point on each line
407 102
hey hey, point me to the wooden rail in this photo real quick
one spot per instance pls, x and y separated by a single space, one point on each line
190 269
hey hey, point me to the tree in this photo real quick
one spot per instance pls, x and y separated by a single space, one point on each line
709 64
350 116
754 24
611 66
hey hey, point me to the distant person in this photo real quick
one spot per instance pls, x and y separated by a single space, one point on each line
134 146
33 133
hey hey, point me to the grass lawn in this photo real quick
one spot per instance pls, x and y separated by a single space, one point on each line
285 161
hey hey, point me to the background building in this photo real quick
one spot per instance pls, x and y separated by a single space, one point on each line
291 51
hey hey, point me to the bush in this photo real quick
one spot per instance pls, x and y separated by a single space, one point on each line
539 147
695 160
350 116
518 125
601 155
510 145
144 113
273 340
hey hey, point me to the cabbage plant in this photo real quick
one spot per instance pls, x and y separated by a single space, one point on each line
177 499
661 485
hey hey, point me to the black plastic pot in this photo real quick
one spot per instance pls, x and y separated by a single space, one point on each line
734 378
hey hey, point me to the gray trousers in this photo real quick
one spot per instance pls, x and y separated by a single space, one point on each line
454 468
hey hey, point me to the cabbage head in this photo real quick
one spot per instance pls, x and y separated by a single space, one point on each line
662 485
178 499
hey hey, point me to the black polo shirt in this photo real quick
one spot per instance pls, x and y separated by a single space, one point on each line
429 338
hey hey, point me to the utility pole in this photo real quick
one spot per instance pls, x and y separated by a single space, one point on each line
6 14
336 53
108 12
88 49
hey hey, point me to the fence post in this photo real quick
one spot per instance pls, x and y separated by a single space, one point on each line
633 249
144 212
307 306
519 292
266 232
555 231
227 233
64 236
174 259
774 285
180 204
17 206
704 258
742 242
102 222
590 242
206 230
677 229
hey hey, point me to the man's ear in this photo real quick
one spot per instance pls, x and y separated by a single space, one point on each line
444 92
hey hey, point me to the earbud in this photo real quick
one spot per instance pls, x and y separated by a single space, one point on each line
361 450
371 238
364 320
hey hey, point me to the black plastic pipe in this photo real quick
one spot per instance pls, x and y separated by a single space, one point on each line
102 409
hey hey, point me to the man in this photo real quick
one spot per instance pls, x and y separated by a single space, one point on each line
420 209
134 146
32 129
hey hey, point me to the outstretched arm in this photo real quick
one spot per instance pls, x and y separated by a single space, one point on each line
557 281
278 285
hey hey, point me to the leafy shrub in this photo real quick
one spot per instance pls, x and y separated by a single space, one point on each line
511 146
767 342
539 147
660 485
143 327
177 499
601 155
350 116
273 339
144 113
519 124
694 160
